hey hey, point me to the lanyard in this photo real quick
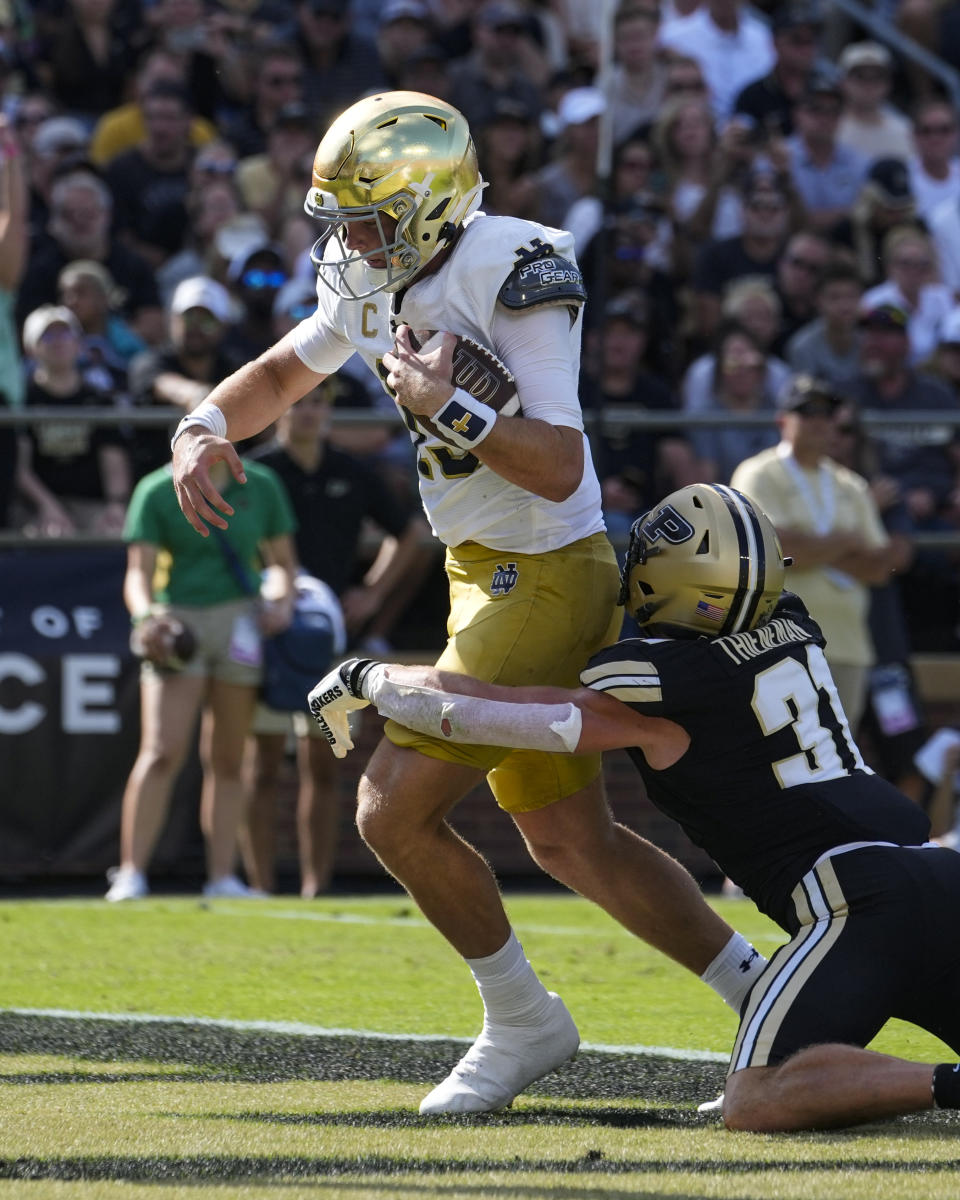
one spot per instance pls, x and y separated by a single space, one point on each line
822 508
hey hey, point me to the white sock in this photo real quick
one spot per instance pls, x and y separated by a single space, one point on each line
509 988
733 972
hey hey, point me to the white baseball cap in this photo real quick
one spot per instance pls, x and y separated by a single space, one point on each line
580 105
202 292
40 320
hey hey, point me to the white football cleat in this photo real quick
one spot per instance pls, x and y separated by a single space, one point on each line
126 883
229 887
503 1061
711 1106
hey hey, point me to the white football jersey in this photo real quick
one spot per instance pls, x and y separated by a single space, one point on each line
464 500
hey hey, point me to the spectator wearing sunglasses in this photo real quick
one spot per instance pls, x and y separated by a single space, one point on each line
755 251
829 524
912 285
254 278
277 82
934 165
803 261
769 101
827 174
271 184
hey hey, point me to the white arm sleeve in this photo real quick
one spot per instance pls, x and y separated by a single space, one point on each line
472 720
537 346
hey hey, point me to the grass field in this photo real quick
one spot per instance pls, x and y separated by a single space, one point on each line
173 1048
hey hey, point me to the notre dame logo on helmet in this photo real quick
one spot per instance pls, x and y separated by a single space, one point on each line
669 525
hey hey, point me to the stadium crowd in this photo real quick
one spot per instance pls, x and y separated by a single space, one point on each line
782 201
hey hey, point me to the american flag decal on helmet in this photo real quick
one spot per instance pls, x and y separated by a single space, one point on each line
713 612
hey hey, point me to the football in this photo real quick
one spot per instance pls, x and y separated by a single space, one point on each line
476 370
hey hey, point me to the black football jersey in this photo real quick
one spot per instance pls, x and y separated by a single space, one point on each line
772 777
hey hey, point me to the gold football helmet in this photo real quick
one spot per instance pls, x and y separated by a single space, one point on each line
403 156
705 560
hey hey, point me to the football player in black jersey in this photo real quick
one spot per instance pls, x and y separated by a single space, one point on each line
729 712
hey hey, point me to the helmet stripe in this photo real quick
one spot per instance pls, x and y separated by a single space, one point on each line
752 564
758 558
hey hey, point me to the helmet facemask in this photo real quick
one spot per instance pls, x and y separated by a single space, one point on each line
402 259
405 162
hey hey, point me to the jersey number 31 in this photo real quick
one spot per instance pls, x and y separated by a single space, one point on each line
790 693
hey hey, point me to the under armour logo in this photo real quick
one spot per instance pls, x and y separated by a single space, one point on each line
748 961
504 579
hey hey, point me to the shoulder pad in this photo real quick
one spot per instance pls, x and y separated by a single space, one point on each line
543 277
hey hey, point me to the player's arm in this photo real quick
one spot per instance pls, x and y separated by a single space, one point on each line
537 455
467 710
243 404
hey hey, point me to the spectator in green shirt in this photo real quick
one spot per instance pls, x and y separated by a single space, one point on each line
211 587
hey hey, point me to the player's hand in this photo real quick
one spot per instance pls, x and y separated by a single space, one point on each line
194 453
421 381
338 694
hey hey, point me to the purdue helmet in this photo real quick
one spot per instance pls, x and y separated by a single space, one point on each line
403 155
704 561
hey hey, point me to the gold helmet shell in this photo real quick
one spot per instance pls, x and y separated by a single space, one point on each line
404 156
704 561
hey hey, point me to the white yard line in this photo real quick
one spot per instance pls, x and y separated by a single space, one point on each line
253 909
301 1029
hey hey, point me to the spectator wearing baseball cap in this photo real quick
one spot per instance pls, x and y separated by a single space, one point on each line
426 70
510 151
572 173
631 464
869 124
406 26
827 175
186 369
505 61
755 251
921 460
341 63
885 202
271 184
912 286
255 276
769 101
828 524
74 475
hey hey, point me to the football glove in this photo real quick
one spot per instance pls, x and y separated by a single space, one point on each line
339 693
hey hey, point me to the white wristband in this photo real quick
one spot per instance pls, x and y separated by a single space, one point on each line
465 421
206 414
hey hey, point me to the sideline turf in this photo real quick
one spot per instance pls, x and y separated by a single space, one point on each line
120 1110
362 963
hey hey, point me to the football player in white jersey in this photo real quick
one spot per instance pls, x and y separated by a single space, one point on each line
533 579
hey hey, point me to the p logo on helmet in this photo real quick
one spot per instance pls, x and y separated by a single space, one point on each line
706 560
669 525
